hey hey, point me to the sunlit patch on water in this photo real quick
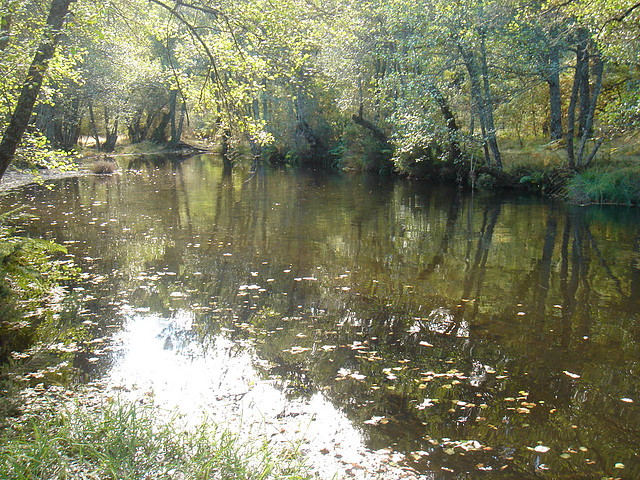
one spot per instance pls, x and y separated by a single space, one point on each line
162 360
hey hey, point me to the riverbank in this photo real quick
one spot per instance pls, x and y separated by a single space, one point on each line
534 167
81 434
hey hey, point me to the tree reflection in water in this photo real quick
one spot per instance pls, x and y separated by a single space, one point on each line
465 332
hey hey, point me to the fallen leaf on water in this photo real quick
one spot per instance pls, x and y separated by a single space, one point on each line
296 350
427 403
569 374
541 449
619 465
627 400
377 420
425 344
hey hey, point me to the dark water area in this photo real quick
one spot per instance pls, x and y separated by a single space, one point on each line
472 335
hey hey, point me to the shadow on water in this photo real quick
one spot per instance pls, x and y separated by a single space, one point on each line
465 333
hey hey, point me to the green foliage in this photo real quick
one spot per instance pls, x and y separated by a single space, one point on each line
288 76
26 264
35 152
615 186
30 290
359 150
122 440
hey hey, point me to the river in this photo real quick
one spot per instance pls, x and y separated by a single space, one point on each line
377 323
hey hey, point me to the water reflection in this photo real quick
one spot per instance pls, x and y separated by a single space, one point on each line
216 379
420 316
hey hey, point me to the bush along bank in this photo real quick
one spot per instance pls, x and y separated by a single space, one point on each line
616 182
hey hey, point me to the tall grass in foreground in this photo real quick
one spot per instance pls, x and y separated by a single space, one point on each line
125 441
613 186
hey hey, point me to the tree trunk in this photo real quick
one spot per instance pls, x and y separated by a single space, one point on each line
375 131
455 152
180 129
94 127
111 132
571 118
112 138
484 108
555 95
488 103
159 134
173 106
582 70
134 129
598 69
33 83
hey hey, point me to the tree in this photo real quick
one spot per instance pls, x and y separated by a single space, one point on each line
33 82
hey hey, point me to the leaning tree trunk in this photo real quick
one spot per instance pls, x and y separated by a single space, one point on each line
31 87
455 153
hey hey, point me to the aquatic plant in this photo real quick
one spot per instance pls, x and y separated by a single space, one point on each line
103 167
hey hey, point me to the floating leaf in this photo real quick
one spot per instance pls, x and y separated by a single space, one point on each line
374 420
296 350
541 449
569 374
426 403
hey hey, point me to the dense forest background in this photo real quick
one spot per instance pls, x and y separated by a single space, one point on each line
377 85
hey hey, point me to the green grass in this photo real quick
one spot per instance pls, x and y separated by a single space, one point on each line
620 186
123 440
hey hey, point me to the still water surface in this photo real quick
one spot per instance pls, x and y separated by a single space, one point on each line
388 323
